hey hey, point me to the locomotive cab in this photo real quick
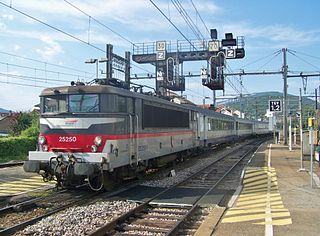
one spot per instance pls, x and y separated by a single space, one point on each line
81 129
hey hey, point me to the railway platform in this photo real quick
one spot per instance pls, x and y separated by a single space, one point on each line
275 197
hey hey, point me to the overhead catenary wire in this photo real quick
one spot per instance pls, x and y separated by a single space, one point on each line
44 70
52 27
185 16
20 84
44 62
99 22
26 77
305 61
260 59
197 12
162 13
66 33
271 59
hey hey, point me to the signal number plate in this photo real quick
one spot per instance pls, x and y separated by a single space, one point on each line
67 139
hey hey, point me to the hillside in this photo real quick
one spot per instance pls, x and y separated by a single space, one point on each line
257 104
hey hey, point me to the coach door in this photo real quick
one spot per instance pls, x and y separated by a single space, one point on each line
201 126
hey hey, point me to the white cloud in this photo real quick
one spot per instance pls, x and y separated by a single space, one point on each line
51 49
7 17
17 47
274 36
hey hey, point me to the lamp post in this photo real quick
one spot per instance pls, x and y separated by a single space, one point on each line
92 61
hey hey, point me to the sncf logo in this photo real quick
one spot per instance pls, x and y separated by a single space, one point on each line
70 122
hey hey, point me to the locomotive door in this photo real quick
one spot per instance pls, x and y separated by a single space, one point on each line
133 139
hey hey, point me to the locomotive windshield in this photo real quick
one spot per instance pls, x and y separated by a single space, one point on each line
71 103
55 104
84 103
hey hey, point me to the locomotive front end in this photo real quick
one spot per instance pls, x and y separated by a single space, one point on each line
73 137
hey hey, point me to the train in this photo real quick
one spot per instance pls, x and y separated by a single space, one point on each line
101 134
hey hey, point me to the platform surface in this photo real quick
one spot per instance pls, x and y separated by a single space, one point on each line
276 198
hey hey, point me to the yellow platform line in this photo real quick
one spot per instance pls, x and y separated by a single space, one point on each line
259 200
235 211
245 218
25 184
257 174
274 184
261 190
247 197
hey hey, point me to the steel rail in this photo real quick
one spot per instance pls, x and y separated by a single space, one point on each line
196 205
113 224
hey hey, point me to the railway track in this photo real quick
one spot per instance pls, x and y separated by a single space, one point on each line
16 217
153 217
118 217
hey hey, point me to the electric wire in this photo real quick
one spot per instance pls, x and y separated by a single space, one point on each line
66 33
184 14
52 27
260 59
197 12
164 15
305 54
271 59
105 26
305 61
19 84
25 77
99 22
43 62
44 70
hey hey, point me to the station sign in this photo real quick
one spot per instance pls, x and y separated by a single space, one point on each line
161 45
213 46
275 105
230 53
161 55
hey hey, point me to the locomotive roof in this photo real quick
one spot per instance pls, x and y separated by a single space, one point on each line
101 89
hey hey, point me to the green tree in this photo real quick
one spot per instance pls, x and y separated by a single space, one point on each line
26 120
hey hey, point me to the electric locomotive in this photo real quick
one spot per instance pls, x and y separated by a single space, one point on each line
101 134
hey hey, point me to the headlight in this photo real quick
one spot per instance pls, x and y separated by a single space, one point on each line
98 140
45 148
42 140
94 148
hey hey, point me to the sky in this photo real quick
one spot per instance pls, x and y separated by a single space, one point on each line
36 55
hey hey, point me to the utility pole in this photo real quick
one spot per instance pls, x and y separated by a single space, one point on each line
285 95
301 133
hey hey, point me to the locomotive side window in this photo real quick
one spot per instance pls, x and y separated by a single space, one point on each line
55 104
122 105
84 103
160 117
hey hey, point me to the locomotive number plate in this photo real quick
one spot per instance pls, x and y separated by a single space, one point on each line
67 139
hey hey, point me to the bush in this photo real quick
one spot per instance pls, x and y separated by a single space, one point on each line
16 146
31 132
24 121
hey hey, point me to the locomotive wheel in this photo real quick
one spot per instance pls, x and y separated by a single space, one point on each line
95 182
